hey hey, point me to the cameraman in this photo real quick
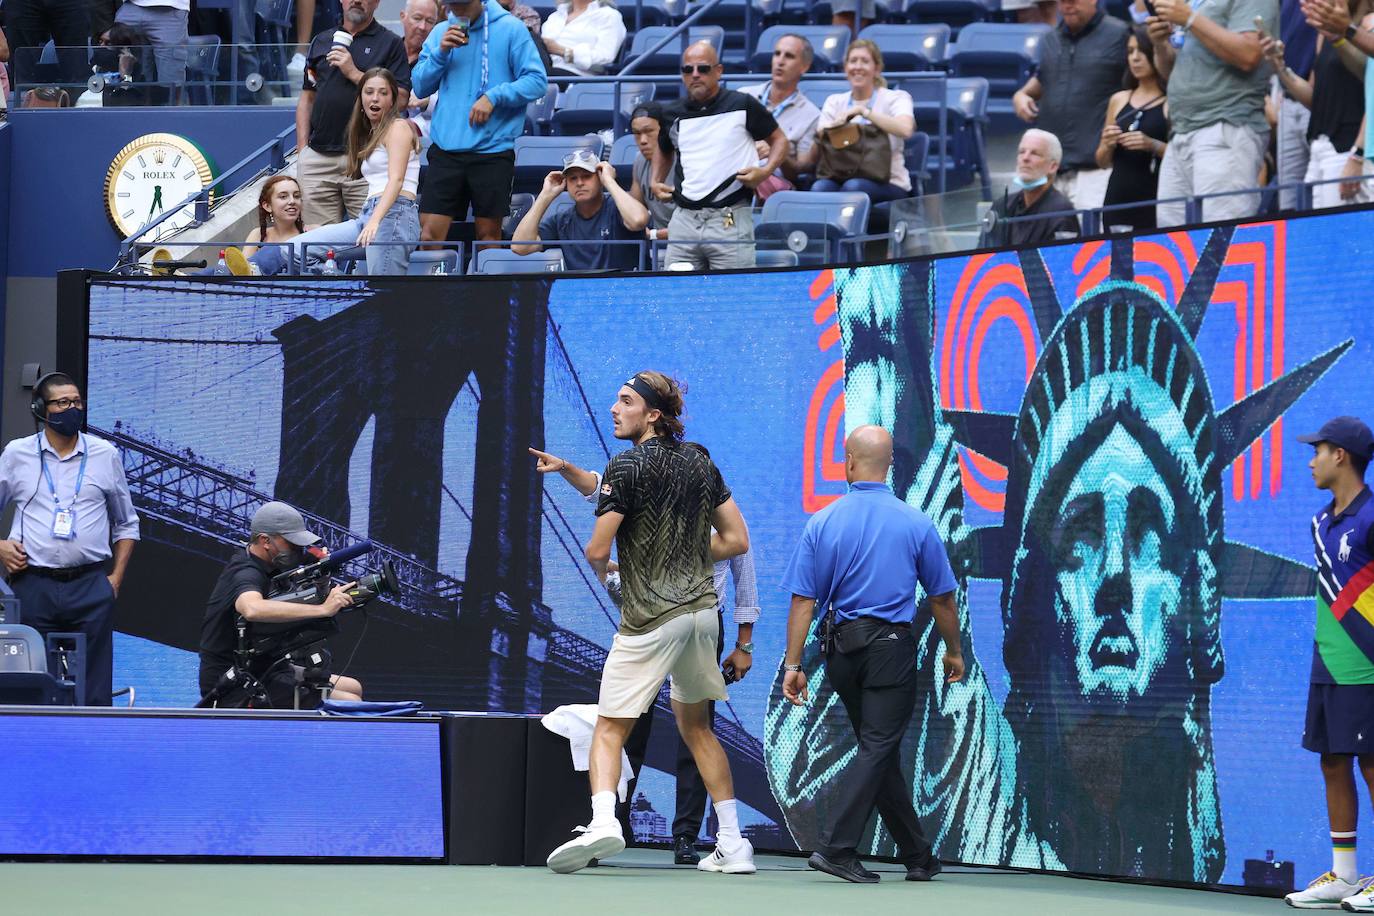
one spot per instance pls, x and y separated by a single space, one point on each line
275 543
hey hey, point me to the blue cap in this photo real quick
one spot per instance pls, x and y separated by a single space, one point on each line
1349 433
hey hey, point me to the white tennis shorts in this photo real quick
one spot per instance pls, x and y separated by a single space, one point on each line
684 649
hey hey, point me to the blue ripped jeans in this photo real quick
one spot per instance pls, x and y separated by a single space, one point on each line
400 224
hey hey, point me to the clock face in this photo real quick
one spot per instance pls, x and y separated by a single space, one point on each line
152 176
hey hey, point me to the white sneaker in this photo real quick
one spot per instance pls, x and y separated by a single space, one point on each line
590 843
738 862
1324 893
1363 902
297 66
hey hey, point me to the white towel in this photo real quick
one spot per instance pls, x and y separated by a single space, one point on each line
576 723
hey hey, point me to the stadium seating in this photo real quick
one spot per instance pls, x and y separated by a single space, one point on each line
954 13
818 90
965 102
424 263
1003 53
506 261
590 107
535 157
910 47
622 158
202 67
668 59
775 257
823 219
539 113
828 41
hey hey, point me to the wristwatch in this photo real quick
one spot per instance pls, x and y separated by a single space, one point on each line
791 667
1350 32
745 647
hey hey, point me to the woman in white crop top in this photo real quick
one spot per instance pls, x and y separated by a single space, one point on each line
384 150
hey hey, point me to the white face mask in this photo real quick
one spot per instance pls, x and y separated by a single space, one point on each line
1020 183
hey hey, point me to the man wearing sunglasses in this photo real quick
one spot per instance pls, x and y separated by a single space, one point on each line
712 132
602 212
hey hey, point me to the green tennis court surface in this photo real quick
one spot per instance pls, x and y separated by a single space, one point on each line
638 881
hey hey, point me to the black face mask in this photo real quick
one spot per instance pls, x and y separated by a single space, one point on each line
106 60
287 559
67 422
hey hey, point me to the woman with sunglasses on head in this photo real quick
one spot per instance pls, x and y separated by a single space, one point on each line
1135 136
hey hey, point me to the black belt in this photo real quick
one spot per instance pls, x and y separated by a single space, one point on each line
872 620
64 574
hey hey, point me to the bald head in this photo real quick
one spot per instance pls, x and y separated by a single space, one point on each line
701 71
868 454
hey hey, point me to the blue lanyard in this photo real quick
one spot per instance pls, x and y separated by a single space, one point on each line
47 475
783 105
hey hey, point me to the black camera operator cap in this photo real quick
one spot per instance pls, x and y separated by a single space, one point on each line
279 518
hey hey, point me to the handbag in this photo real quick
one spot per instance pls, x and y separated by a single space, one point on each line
856 151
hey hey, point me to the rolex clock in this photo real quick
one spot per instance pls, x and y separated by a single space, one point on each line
151 176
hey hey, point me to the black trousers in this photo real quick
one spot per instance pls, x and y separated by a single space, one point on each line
691 790
30 24
877 685
83 605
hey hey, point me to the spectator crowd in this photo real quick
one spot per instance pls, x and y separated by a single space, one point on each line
403 137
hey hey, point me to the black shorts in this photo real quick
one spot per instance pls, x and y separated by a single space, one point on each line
454 181
1340 719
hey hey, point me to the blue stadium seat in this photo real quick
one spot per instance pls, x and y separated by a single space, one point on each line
505 261
954 13
539 112
824 218
590 107
730 15
202 67
1003 53
818 90
423 263
668 59
535 157
822 12
965 103
910 47
655 12
775 257
622 158
828 41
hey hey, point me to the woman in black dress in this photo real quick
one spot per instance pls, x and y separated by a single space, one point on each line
1135 136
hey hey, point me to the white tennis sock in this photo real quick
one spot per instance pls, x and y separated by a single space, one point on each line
1343 856
727 834
603 808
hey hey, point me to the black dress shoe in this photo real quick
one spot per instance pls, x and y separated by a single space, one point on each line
683 853
924 872
849 870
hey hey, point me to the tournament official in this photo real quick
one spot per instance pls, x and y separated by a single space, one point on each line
859 560
72 513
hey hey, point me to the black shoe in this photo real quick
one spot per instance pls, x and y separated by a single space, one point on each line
924 872
683 853
849 870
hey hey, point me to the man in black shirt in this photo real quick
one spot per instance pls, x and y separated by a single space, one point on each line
333 74
710 144
1037 161
275 544
659 502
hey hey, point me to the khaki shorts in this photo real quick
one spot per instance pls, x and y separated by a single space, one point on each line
683 648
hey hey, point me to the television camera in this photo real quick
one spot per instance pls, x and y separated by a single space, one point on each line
267 649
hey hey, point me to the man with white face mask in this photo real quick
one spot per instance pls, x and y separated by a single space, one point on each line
1032 193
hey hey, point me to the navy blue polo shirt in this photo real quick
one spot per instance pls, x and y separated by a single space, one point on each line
604 226
1343 648
864 555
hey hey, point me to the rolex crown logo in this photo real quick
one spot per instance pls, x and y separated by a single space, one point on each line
159 156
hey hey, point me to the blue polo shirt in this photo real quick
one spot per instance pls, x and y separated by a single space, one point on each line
864 555
1343 648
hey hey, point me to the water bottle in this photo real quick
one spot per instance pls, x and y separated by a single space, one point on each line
330 268
221 268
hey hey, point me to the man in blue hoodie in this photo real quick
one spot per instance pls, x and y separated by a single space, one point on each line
486 69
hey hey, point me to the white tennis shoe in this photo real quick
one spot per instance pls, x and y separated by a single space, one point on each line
594 842
1324 893
739 861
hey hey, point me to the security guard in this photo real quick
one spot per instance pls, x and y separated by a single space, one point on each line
860 559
